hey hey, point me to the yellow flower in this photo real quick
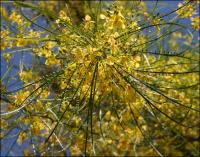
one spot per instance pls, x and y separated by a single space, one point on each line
185 12
137 58
108 115
57 21
43 52
35 129
22 136
50 44
44 94
3 123
63 84
102 16
109 141
195 22
4 33
76 121
116 20
6 56
21 96
87 18
74 149
134 25
130 132
130 94
26 75
78 55
52 60
146 15
14 17
113 44
63 16
33 34
110 60
88 23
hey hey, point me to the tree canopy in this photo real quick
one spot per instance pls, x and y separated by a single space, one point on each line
100 78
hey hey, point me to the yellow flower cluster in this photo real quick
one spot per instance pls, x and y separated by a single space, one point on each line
46 51
115 19
88 23
52 60
20 41
6 56
186 11
14 17
63 17
21 96
37 126
105 89
22 136
26 76
4 44
33 34
195 22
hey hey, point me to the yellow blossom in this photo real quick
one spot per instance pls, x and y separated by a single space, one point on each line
110 60
21 96
36 126
44 94
43 52
87 18
195 22
6 56
113 44
52 60
186 11
63 16
33 34
4 33
108 115
14 17
3 123
74 149
109 141
116 20
134 25
22 136
21 42
50 44
26 75
102 16
88 23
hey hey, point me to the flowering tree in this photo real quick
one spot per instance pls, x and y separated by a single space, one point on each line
122 80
